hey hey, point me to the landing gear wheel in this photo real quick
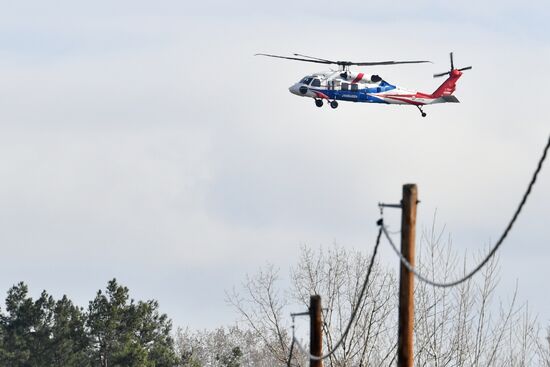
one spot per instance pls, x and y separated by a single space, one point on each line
319 102
333 104
421 111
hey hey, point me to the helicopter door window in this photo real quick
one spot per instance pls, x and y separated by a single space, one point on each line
345 86
354 87
316 83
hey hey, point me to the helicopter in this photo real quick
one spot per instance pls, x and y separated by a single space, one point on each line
344 85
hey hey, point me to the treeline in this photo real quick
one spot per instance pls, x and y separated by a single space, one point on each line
461 326
113 331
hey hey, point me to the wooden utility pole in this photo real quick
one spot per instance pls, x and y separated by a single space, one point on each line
315 330
405 351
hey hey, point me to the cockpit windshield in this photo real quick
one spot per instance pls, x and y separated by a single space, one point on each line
306 80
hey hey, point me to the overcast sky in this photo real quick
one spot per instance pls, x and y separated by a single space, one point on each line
143 140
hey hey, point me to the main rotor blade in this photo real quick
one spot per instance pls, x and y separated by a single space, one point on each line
442 74
383 63
342 63
297 59
466 68
315 58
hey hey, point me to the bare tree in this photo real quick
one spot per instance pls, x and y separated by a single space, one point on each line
337 275
459 326
544 350
261 305
222 347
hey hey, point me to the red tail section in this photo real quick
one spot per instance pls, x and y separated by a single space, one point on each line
448 86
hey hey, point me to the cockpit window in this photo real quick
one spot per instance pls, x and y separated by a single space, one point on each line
316 83
306 80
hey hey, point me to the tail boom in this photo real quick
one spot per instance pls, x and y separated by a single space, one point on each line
448 87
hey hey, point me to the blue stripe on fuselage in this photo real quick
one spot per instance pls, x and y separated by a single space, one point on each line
360 95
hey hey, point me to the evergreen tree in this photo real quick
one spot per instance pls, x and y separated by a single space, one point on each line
70 344
231 359
126 333
115 332
26 329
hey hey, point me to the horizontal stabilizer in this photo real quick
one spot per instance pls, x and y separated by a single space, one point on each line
450 99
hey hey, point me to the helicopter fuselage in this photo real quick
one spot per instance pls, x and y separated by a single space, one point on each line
338 86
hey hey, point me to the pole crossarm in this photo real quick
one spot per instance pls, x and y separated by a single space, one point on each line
307 313
395 206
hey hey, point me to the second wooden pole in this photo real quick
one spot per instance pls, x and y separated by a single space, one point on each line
315 330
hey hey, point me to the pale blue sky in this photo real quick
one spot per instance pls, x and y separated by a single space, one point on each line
144 141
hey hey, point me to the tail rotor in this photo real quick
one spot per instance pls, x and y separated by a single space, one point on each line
452 68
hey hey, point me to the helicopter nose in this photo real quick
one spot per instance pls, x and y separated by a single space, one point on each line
299 89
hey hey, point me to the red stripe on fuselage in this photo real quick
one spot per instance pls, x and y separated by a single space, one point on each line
407 101
408 98
358 78
320 95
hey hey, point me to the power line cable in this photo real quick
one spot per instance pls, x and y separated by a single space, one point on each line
355 310
493 250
